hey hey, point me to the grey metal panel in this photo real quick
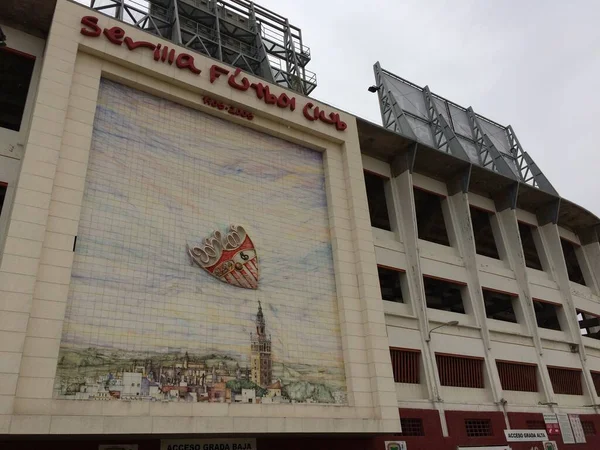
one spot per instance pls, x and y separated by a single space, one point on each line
470 148
442 109
421 130
460 121
496 134
410 98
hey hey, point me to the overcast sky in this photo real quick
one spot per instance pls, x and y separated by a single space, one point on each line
534 65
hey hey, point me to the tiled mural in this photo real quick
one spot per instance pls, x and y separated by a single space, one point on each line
149 316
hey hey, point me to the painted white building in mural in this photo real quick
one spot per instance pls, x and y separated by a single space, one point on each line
188 249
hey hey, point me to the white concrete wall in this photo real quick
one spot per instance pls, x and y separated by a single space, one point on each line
490 339
36 277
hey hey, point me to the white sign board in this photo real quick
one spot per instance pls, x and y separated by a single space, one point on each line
208 444
565 428
550 445
395 445
577 428
526 435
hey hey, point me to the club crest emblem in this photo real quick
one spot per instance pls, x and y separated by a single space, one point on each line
230 257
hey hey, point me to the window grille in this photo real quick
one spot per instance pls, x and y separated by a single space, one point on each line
478 427
412 427
517 377
589 428
460 371
405 365
566 381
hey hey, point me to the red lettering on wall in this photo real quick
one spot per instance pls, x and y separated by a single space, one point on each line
116 35
185 61
216 72
92 30
132 45
233 110
234 84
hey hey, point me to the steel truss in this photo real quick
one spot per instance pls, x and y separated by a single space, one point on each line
443 135
237 32
516 163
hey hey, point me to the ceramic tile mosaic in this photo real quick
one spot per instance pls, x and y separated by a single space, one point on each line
143 321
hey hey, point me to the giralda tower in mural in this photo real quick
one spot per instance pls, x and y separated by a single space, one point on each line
260 359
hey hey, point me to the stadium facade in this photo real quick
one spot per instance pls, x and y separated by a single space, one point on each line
194 254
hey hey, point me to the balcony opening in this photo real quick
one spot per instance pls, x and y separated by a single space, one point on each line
596 380
532 258
573 267
390 282
478 427
566 380
16 69
517 376
378 210
430 217
3 188
499 306
485 244
589 324
460 371
406 365
546 315
411 426
444 295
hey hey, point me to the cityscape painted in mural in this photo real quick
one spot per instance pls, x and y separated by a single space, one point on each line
150 316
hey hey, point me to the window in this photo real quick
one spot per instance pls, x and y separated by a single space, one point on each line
405 365
444 295
16 69
499 306
378 211
411 427
589 324
3 187
536 425
546 315
391 284
573 267
483 234
596 380
517 377
460 371
478 427
566 381
430 217
530 253
589 429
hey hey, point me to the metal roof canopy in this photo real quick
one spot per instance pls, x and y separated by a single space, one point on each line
439 123
404 152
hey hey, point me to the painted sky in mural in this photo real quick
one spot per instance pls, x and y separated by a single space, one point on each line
162 176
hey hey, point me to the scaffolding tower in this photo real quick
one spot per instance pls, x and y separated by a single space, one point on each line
237 32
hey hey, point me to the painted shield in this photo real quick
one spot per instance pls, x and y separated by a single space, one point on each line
230 257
